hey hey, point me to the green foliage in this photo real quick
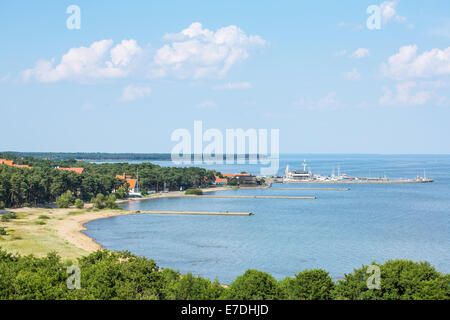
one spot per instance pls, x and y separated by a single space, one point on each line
144 192
2 232
110 275
111 202
2 205
66 200
44 217
308 285
197 192
233 182
400 280
253 285
79 204
189 287
122 193
45 184
102 202
41 223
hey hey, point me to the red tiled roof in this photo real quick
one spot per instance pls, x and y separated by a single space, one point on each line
76 170
12 164
131 183
6 162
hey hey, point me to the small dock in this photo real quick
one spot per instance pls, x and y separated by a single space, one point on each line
203 213
250 197
335 189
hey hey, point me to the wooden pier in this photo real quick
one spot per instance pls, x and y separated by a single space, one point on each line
204 213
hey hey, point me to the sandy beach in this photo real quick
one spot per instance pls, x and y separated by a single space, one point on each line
39 231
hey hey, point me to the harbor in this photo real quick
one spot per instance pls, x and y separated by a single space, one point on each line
306 176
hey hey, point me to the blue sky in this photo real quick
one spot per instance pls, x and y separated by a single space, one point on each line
136 71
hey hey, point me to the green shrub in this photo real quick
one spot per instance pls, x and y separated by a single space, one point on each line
399 280
308 285
197 192
43 217
41 223
2 205
253 285
2 232
79 204
66 200
111 202
122 193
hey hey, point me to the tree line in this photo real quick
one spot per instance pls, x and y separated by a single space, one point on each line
107 275
44 183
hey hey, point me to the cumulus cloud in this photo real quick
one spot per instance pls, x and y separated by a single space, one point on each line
197 52
131 93
233 86
389 12
360 53
403 95
408 64
352 75
98 61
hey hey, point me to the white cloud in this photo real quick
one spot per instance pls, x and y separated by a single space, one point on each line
206 104
131 93
197 52
360 53
407 64
389 12
329 102
233 86
352 75
98 61
403 95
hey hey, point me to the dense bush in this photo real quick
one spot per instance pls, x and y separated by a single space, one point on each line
400 280
253 285
65 200
79 204
2 205
121 275
197 192
308 285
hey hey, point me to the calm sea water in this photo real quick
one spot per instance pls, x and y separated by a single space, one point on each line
339 231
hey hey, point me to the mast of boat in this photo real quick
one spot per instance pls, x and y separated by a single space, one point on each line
304 165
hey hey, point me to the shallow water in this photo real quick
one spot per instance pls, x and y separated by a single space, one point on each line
339 231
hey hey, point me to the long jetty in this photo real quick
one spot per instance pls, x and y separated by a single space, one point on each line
251 197
205 213
336 189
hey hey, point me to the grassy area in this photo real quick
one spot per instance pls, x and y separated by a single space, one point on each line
32 233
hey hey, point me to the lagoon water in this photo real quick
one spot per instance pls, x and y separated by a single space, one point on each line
339 231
